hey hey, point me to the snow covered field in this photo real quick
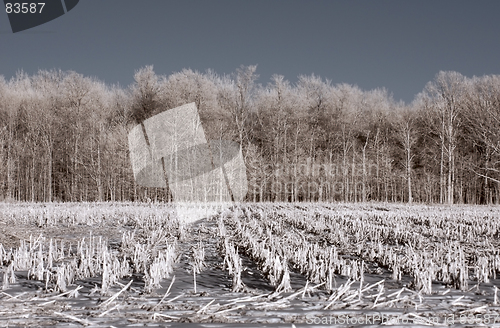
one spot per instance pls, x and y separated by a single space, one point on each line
258 264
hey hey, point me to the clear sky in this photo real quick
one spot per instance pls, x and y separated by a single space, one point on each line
396 44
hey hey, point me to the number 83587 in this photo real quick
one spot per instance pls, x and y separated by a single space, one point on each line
24 8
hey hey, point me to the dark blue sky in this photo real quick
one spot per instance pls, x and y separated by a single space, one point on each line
399 45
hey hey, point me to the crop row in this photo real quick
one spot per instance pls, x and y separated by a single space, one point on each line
320 241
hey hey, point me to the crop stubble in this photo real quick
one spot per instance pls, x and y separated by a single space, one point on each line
124 263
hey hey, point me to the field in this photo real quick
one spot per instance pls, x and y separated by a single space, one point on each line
258 264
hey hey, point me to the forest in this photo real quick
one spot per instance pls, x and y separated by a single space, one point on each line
64 136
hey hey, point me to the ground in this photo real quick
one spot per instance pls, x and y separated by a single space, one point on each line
377 299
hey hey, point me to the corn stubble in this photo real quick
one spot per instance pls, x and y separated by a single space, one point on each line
338 249
148 251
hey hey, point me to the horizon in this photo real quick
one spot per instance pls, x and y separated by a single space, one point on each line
373 45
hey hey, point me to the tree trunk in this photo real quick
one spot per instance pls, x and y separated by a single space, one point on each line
441 173
408 177
364 169
49 176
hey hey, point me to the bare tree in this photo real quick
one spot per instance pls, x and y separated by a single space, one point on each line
483 118
407 137
446 91
245 84
145 94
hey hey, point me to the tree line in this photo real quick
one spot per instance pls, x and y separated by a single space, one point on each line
63 136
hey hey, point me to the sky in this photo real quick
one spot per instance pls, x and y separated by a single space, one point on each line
399 45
